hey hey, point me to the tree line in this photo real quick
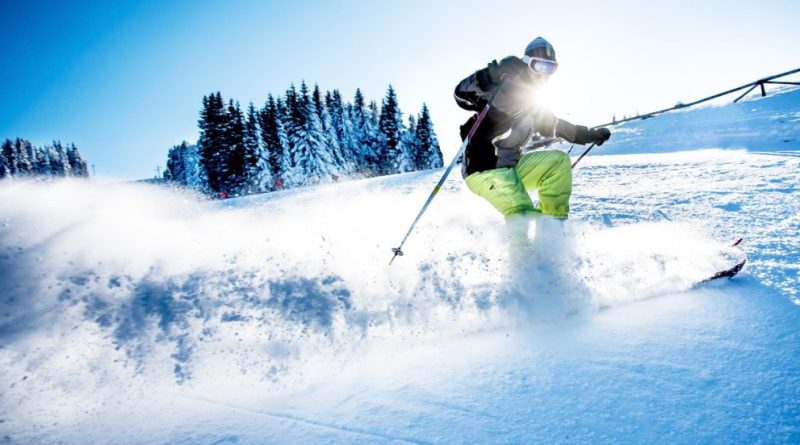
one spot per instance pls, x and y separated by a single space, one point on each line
20 158
302 138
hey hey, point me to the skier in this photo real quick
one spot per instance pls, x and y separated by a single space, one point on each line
493 166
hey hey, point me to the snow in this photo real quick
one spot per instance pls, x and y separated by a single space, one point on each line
137 314
755 123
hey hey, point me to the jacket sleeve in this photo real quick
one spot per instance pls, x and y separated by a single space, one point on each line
476 90
548 125
577 134
469 95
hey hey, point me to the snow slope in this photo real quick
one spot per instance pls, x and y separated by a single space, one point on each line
137 314
771 123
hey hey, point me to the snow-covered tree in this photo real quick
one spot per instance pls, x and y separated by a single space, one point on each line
235 178
9 159
372 140
22 150
260 177
360 150
306 137
41 166
59 164
408 147
428 153
21 158
33 153
293 123
331 136
312 155
391 127
343 127
211 144
183 167
257 174
283 160
76 163
271 144
3 167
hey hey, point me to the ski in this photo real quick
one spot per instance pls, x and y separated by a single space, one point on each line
727 273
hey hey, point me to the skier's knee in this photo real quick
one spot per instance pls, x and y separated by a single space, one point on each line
562 161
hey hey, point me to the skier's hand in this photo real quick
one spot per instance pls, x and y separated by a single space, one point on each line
599 135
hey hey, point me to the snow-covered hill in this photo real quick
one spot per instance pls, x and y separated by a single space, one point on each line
771 123
137 314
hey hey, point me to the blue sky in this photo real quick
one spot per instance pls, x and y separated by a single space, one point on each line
124 80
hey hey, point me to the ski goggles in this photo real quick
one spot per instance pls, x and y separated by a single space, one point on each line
541 66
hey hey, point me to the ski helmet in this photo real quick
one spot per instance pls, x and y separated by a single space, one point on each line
541 48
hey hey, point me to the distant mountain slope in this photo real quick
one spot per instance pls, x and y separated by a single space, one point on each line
771 123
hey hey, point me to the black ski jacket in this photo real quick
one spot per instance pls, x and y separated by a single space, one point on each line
515 119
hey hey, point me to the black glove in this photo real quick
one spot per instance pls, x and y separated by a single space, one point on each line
599 135
489 77
584 135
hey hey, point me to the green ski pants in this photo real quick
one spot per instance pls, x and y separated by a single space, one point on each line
506 189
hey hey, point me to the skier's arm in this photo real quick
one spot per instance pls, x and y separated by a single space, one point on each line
580 134
548 125
468 93
476 90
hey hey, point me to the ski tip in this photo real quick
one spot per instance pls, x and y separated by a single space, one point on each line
738 267
728 273
737 242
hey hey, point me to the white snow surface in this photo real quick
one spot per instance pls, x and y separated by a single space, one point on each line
131 313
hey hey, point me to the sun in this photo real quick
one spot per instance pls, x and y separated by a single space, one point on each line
542 96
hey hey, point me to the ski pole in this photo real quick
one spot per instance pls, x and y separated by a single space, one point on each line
398 250
582 155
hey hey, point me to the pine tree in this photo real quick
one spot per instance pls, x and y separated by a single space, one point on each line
33 157
259 171
24 167
272 146
59 165
362 146
375 140
236 173
9 159
211 143
183 167
391 126
42 165
343 128
294 121
174 169
77 165
428 153
312 156
331 140
316 97
253 166
284 166
196 176
307 137
408 148
3 167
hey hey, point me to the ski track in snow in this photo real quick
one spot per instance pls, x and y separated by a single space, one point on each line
758 202
276 317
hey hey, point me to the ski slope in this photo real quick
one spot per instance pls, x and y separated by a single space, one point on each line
771 123
138 314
